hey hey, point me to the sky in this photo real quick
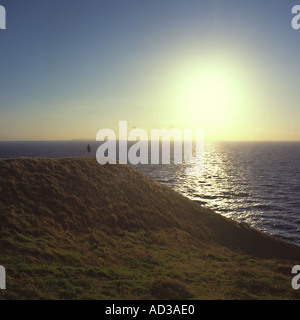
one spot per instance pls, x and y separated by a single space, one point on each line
72 67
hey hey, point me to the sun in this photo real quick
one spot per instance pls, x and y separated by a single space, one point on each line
213 96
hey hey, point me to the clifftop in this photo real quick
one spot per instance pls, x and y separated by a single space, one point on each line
99 222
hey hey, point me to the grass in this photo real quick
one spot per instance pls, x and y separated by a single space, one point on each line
72 229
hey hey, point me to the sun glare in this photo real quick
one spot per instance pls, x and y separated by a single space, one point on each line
213 96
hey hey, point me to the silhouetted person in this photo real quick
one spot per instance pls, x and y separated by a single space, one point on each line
89 149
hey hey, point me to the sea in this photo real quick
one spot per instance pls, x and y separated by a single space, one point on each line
253 182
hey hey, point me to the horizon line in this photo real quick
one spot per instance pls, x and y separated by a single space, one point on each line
93 140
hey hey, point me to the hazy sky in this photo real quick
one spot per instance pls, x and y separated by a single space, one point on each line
71 67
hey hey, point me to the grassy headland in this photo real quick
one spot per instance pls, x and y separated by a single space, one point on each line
73 229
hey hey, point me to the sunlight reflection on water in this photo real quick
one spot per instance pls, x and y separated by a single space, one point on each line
257 183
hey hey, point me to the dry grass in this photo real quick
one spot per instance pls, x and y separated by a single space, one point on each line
72 229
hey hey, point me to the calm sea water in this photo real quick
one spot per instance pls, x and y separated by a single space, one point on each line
254 182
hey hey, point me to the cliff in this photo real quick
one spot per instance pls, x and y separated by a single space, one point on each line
73 229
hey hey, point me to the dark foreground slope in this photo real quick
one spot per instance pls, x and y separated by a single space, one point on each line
71 228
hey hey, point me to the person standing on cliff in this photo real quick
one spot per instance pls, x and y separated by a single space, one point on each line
89 149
